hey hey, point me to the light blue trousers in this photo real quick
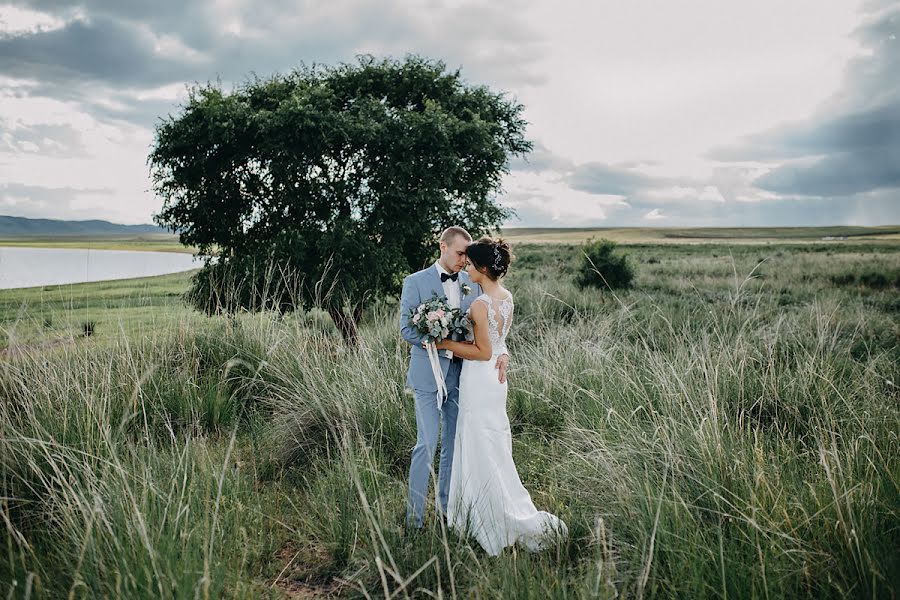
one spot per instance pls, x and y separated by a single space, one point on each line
429 422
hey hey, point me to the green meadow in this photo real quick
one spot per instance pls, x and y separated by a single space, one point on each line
163 242
726 235
728 428
150 242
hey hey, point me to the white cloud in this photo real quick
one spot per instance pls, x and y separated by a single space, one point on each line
170 46
654 215
18 21
711 194
680 194
171 92
113 159
538 200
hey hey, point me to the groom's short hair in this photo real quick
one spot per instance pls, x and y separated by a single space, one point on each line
451 232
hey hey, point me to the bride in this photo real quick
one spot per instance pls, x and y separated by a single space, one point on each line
487 499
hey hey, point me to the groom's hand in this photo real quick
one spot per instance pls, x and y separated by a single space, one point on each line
502 364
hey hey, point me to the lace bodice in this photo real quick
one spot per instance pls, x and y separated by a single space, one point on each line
499 314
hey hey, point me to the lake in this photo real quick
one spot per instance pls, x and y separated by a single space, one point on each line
31 267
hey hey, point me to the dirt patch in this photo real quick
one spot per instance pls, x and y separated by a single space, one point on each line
303 573
19 350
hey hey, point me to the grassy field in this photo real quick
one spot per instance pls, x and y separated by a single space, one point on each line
744 235
149 242
727 428
622 235
54 315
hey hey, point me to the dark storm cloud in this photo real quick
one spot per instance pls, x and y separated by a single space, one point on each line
852 145
600 178
623 179
102 49
593 178
620 179
838 174
192 21
864 130
143 45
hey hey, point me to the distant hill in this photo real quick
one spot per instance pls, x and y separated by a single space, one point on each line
22 226
728 235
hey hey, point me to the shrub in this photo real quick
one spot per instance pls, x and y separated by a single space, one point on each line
843 279
602 267
872 279
87 328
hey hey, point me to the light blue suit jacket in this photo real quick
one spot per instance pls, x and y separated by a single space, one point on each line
418 288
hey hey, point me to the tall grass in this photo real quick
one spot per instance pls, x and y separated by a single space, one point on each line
701 435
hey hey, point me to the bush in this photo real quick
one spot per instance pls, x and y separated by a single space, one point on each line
601 267
872 279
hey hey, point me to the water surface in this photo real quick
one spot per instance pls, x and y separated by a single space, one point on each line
31 267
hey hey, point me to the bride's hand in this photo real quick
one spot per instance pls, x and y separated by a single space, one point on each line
441 345
501 366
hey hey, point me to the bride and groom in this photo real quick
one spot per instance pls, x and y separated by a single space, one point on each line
478 488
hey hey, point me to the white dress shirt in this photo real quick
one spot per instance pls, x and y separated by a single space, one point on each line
451 288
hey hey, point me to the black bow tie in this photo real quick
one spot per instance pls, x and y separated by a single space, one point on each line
446 276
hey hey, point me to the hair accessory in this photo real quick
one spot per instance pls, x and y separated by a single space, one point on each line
497 266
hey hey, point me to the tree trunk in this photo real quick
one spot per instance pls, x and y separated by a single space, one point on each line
347 324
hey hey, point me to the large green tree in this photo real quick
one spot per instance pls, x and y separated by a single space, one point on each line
325 186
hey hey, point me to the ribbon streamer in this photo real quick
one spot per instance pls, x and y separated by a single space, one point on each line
438 373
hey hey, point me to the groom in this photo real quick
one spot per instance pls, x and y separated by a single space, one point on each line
447 278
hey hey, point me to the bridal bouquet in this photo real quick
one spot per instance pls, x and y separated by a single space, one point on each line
437 320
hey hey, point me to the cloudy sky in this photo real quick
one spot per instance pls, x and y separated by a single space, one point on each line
643 113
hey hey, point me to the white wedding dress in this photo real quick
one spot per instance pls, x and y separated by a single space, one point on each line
487 499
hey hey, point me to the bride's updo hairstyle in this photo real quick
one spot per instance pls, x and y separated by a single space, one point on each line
491 257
